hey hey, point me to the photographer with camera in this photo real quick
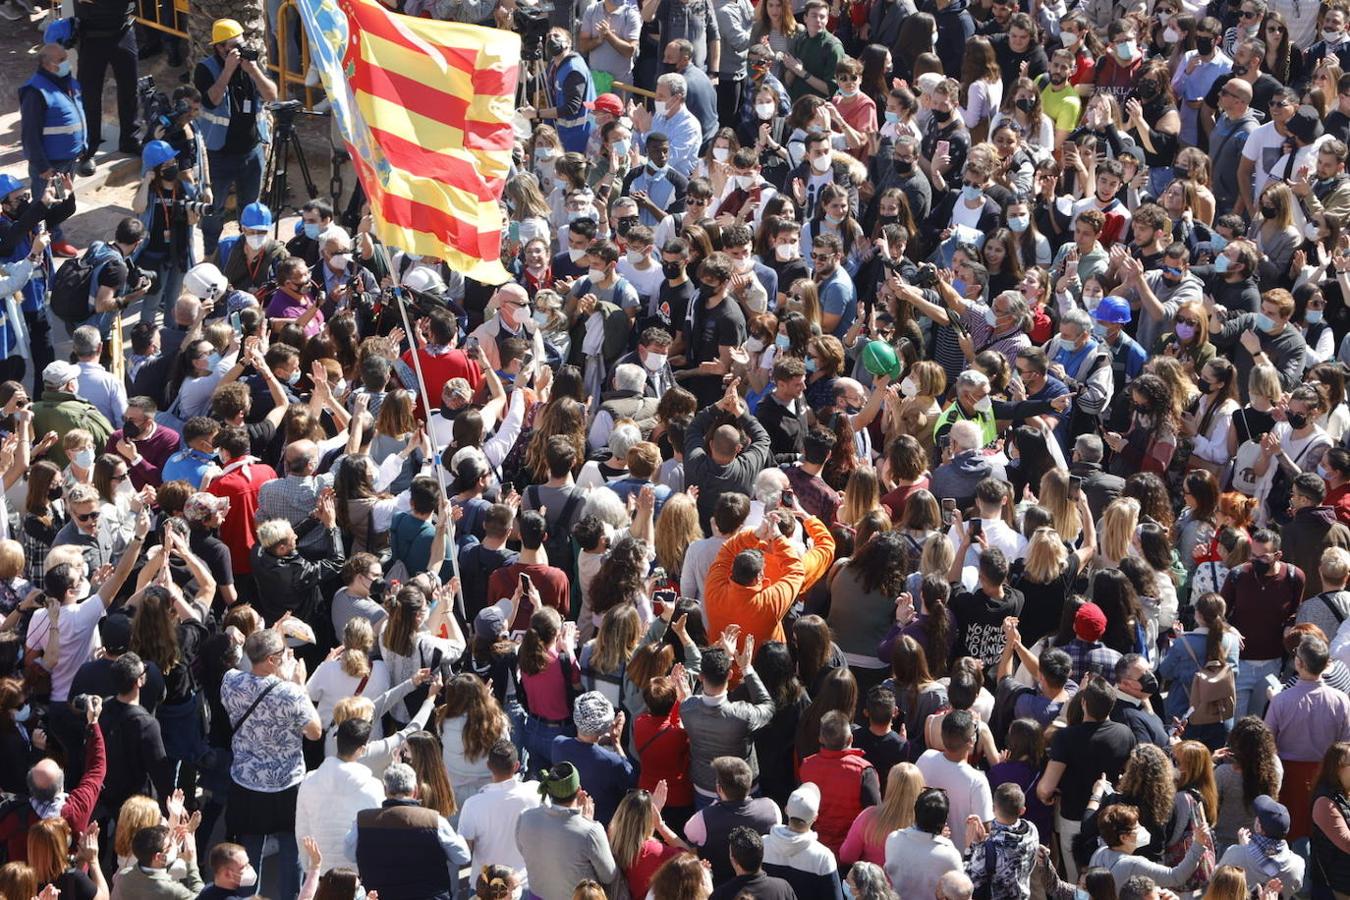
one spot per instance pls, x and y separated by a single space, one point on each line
346 283
26 223
233 88
569 79
168 204
175 124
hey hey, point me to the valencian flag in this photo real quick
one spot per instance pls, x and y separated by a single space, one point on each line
425 108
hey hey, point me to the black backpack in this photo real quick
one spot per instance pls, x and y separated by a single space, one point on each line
558 543
76 281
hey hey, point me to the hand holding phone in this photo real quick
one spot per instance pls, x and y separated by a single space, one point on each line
948 507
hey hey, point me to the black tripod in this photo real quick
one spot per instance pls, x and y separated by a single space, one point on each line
285 145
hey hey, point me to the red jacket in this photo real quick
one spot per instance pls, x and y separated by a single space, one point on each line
1339 500
239 531
78 808
840 776
662 747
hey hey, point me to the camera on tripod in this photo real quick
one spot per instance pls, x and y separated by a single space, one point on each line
532 24
157 110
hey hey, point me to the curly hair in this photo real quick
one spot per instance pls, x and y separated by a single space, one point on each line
881 564
1251 745
562 416
1158 398
1149 781
484 723
620 577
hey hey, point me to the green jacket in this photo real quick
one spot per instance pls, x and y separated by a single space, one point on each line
63 412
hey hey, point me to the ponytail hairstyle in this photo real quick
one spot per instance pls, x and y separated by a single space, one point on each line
545 626
935 591
1211 608
400 631
358 638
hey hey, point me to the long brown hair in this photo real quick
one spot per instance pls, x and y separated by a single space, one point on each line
560 416
466 695
814 644
41 476
681 877
1212 609
545 626
1197 774
434 790
1148 781
400 631
909 667
1251 748
838 691
617 638
154 633
49 848
18 880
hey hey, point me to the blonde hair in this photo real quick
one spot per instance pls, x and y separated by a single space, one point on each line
937 556
1227 883
1118 524
903 784
358 639
49 848
633 823
929 377
76 438
11 559
136 813
353 708
1054 496
862 495
1334 565
1264 382
620 631
676 528
1046 555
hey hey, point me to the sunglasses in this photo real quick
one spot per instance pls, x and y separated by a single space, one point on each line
89 516
1250 14
822 257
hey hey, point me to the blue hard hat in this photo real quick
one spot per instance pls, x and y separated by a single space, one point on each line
255 215
1113 310
9 184
62 32
157 153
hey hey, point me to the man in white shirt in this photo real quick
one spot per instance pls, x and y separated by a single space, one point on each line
990 496
488 820
330 796
1263 149
967 789
918 857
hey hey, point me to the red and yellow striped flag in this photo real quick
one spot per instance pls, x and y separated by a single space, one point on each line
425 108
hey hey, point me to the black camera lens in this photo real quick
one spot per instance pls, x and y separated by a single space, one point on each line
249 53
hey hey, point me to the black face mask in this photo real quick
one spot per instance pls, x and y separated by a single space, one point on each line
169 173
672 269
1261 567
1296 420
904 166
1268 211
55 492
1180 173
378 588
1025 104
941 115
887 220
17 210
554 46
1211 387
1148 683
131 429
1204 45
1239 69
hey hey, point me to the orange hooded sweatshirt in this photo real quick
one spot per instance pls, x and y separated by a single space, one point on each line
759 611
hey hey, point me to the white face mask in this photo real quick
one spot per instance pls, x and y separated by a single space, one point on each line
655 362
1310 231
744 266
744 182
574 254
721 154
636 257
84 459
821 164
908 388
248 877
1171 35
255 241
754 345
765 110
341 261
984 405
595 274
785 252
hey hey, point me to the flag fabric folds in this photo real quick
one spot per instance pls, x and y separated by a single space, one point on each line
425 109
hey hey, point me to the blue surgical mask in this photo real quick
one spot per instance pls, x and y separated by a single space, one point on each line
294 378
621 148
971 193
312 231
1221 263
1217 241
810 364
782 342
1312 316
212 361
63 69
1019 224
23 713
1264 322
892 118
1126 50
657 172
959 285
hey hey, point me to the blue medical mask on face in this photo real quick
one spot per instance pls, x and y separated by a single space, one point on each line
294 378
63 69
657 172
1264 322
892 118
621 148
212 361
1217 242
810 364
782 342
312 230
959 285
1221 263
1312 316
1019 224
971 193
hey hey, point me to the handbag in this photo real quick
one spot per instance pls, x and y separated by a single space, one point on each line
1245 480
1175 853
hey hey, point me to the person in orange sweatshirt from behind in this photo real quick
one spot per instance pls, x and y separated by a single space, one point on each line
758 575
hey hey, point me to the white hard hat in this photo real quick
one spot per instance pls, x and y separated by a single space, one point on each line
205 282
423 280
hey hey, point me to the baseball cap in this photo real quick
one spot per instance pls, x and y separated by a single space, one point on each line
60 373
489 623
115 632
1273 816
804 803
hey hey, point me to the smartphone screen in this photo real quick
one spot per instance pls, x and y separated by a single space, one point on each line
943 148
524 582
976 526
1075 486
236 324
1274 682
948 507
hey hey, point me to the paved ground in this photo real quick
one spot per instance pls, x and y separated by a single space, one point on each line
105 198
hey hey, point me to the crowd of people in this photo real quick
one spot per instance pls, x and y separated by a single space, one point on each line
910 459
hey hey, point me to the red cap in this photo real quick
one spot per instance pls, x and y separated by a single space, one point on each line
609 103
1089 623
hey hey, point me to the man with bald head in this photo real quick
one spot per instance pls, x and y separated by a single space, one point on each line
52 124
47 795
722 462
513 320
295 497
1231 129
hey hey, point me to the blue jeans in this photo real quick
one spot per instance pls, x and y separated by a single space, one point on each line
537 740
169 286
1251 685
243 173
287 857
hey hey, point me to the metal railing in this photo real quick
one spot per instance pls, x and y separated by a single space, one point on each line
171 17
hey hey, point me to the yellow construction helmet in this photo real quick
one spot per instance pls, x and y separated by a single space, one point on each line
224 29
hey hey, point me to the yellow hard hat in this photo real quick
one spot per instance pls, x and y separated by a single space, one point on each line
224 29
